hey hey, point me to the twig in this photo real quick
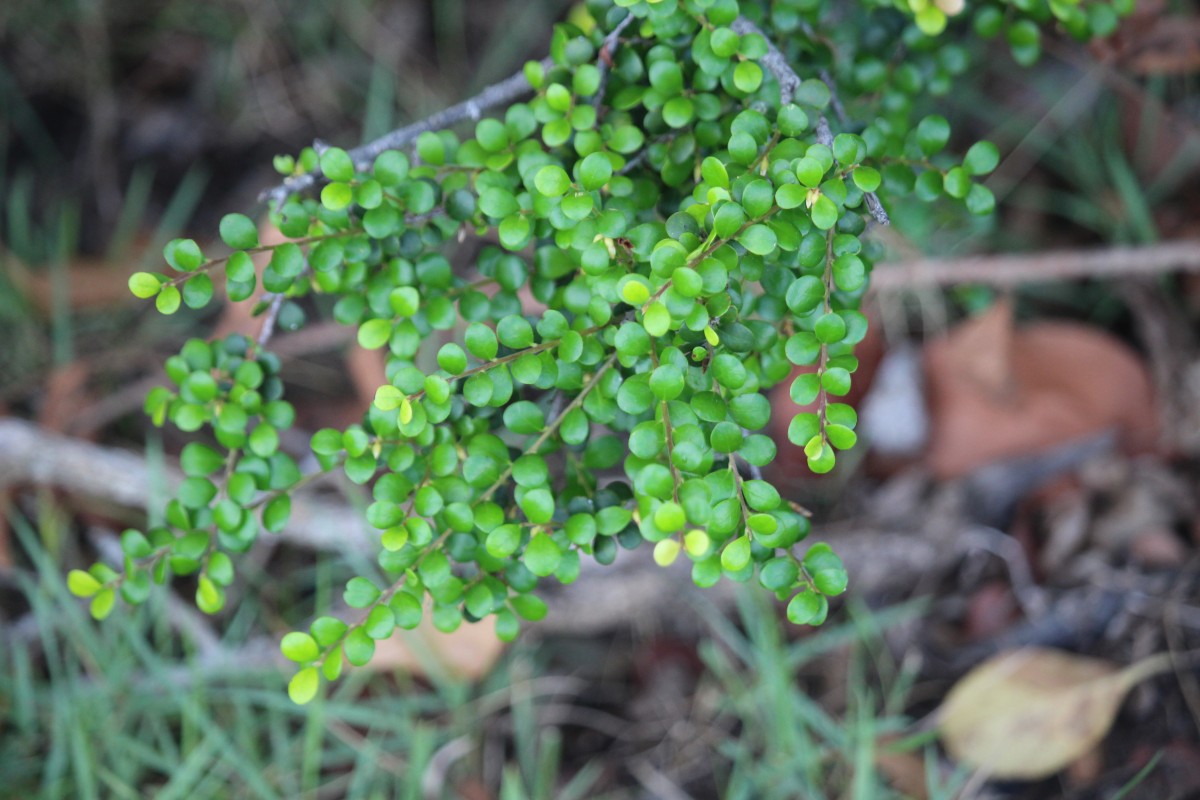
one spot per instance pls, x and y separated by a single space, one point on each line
32 455
600 600
774 61
644 153
1055 265
634 162
878 213
789 81
1166 333
497 94
835 102
604 62
824 135
270 318
556 405
472 109
1029 596
1171 633
321 337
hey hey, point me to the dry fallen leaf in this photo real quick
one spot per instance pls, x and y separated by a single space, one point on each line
980 351
468 653
996 393
92 284
1026 714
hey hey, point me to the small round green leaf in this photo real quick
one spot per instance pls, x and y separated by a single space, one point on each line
452 358
594 171
82 584
374 333
982 158
168 300
759 239
804 608
336 165
361 593
932 134
481 341
552 181
542 556
299 647
144 285
238 231
303 686
747 76
515 331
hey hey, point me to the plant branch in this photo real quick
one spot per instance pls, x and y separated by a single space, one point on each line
209 264
472 109
835 102
270 318
605 598
604 62
775 61
669 436
553 426
1056 265
495 362
32 455
789 81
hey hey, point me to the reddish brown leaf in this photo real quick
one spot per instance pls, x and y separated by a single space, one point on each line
994 396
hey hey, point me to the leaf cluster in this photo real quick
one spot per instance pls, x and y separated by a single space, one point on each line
692 231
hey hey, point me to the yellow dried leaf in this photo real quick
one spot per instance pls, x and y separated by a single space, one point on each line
1026 714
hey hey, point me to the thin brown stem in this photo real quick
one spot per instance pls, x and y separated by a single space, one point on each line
669 437
496 362
262 248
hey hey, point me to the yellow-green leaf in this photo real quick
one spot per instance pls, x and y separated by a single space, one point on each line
82 584
102 603
144 285
302 688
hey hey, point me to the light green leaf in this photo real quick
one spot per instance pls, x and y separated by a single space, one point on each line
303 686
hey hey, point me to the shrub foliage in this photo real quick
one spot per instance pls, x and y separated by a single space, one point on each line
667 188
